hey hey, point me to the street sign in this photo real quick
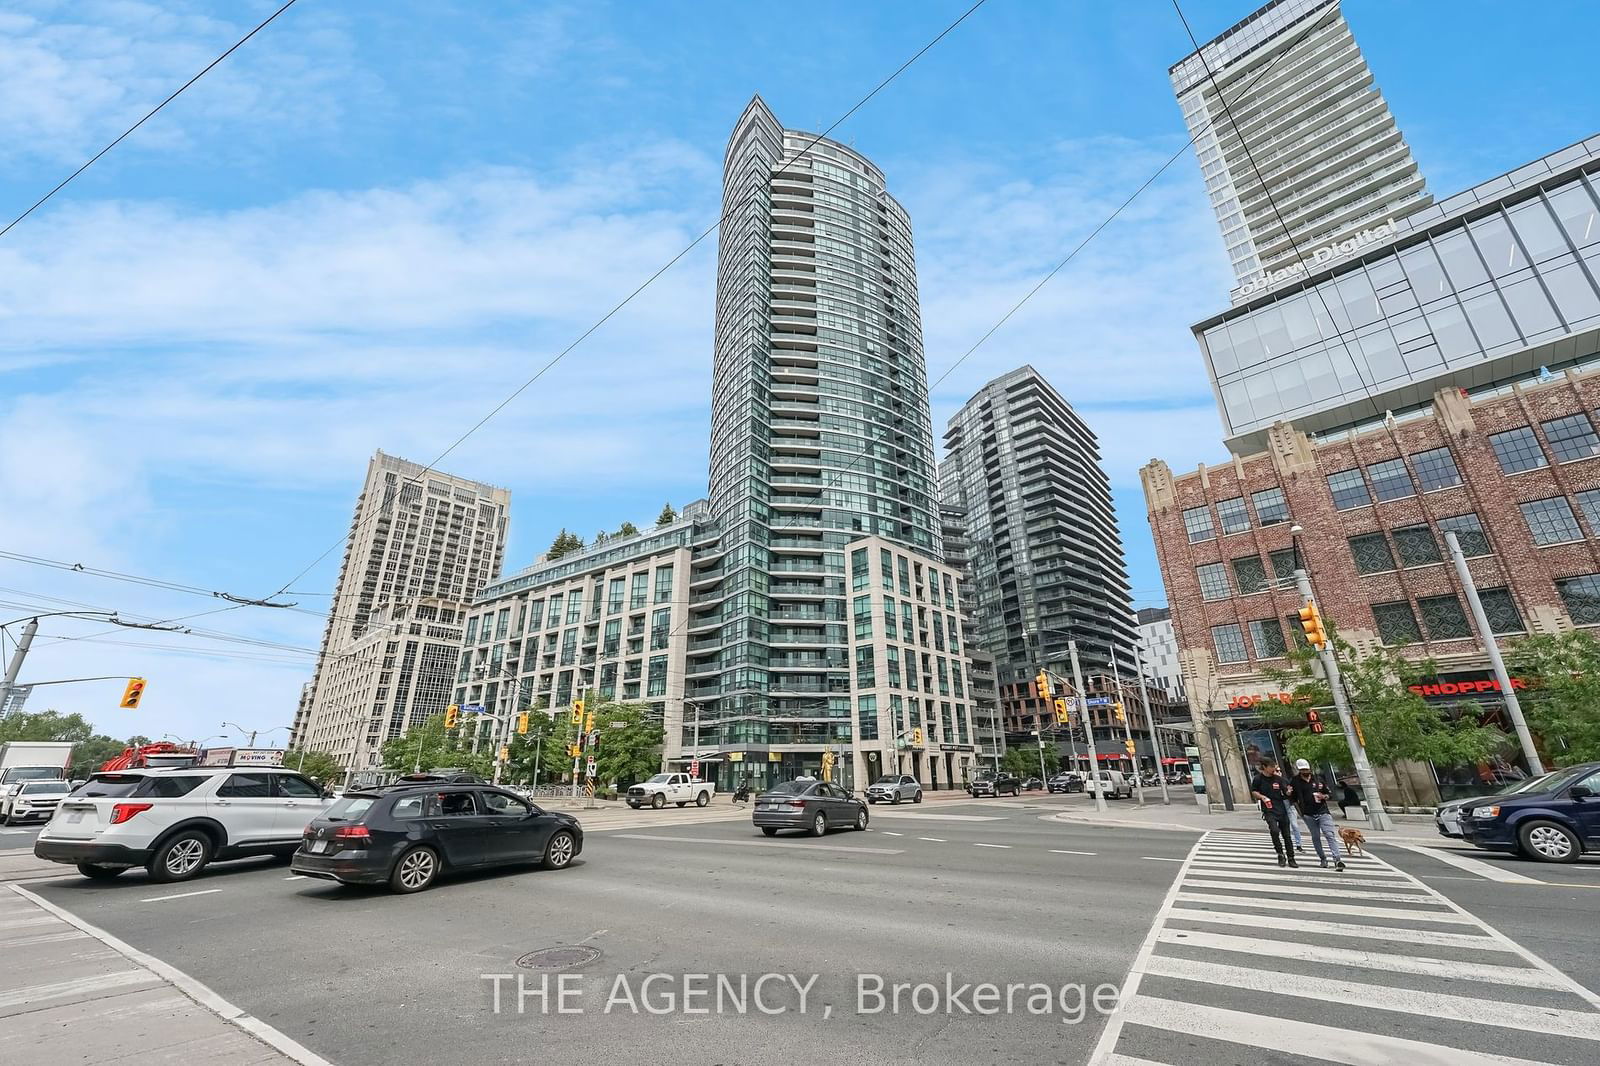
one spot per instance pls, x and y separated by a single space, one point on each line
594 737
619 725
588 769
472 708
1097 701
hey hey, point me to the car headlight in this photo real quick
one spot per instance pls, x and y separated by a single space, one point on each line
1485 812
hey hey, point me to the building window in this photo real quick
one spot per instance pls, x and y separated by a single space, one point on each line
1501 611
1271 507
1551 521
1443 617
1390 480
1416 545
614 596
866 672
1267 635
1233 515
889 629
664 584
1213 581
1197 523
1582 597
1249 574
472 630
859 572
660 628
1517 450
1396 624
1469 534
1589 504
1229 642
867 717
658 676
1371 553
1348 490
863 615
638 590
1436 469
1284 563
1571 438
886 564
1296 632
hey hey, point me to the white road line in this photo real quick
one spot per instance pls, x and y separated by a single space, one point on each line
1374 960
1311 876
1483 869
196 991
887 833
1307 890
99 982
1551 1021
1294 1038
1059 851
1158 858
760 844
1366 932
933 840
991 845
1299 907
180 895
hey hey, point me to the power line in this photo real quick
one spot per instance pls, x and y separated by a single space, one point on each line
148 115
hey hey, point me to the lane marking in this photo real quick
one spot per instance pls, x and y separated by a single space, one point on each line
180 895
991 845
763 844
1299 907
933 840
1158 858
1331 878
1365 932
1059 851
1487 871
887 833
1352 894
1551 1021
196 991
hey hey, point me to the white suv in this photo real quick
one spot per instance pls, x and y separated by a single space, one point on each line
175 821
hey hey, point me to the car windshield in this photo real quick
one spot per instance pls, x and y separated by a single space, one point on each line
987 775
659 779
33 773
1551 782
887 781
792 788
56 788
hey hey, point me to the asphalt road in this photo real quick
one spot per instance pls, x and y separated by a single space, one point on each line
985 892
19 836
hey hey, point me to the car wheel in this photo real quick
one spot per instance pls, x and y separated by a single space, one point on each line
917 798
658 801
769 830
861 819
819 824
180 858
702 799
415 871
95 872
559 852
1549 842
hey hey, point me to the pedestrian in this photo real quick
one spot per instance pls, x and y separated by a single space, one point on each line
1310 796
1348 798
1272 792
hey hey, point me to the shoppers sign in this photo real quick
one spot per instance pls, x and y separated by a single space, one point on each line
1319 257
1464 687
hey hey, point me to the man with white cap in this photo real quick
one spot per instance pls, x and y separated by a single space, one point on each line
1310 796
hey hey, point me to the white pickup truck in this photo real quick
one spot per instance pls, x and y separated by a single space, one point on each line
663 789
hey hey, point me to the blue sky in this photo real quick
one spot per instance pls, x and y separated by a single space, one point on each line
378 218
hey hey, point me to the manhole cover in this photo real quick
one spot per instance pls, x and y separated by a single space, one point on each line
559 958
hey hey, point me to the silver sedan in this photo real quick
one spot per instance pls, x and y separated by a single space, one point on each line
894 788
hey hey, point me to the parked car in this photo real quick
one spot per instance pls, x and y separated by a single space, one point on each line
894 788
175 821
1033 784
1447 816
810 806
995 783
33 801
407 836
1065 782
663 789
1557 821
1112 784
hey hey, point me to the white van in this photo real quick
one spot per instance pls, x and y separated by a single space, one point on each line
1112 783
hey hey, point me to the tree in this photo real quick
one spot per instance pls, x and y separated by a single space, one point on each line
1023 760
430 746
45 725
320 766
601 537
565 544
1398 724
627 529
666 517
91 754
629 748
1561 705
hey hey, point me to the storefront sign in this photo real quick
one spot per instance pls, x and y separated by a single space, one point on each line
1471 687
1245 702
1318 258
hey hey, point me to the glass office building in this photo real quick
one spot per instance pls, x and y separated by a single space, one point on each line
1484 287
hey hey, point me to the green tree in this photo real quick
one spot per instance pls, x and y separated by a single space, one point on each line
629 749
430 746
565 544
627 529
1563 704
91 754
320 766
666 517
1398 724
45 725
1023 760
601 537
547 738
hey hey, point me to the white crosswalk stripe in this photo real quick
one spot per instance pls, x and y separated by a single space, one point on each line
1250 963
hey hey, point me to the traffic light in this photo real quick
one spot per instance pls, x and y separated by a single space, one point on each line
588 722
1129 745
1116 709
133 693
916 738
577 712
1311 622
1063 716
574 750
522 722
1314 720
505 753
452 716
1043 681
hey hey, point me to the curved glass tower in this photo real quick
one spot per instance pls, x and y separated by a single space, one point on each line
820 432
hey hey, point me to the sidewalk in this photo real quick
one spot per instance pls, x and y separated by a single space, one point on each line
1185 816
72 994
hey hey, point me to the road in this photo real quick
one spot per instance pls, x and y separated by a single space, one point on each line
18 837
985 892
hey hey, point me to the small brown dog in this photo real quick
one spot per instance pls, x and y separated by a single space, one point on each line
1352 839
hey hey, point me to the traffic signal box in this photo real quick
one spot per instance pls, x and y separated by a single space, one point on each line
1311 623
1063 714
1042 680
1314 721
916 738
133 693
452 716
522 722
1130 746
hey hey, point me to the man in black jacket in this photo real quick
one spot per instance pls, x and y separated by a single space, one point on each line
1310 795
1272 792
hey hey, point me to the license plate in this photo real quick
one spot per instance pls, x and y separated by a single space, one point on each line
74 817
319 846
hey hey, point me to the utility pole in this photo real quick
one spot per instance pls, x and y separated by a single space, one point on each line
1127 729
1039 719
1481 620
15 667
1341 707
1088 727
1150 724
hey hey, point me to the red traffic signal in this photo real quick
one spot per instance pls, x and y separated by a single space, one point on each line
1314 720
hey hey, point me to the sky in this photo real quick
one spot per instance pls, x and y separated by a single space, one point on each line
380 217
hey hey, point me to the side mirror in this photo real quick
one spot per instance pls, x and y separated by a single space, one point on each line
1579 792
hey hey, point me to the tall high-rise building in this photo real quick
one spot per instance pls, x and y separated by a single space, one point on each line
1303 121
422 544
1044 551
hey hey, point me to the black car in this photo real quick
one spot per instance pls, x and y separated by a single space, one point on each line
1065 782
406 837
1557 820
990 783
811 806
1032 784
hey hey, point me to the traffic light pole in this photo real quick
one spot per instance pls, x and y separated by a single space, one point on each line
1127 728
1150 724
1376 814
1088 727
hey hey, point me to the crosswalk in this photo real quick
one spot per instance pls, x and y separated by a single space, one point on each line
1251 963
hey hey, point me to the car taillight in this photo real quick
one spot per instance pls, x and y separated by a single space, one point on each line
352 834
121 812
795 803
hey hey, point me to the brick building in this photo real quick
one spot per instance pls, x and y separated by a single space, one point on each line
1513 469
